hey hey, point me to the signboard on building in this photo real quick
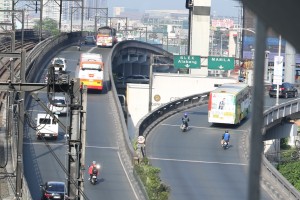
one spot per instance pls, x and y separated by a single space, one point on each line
222 23
186 61
278 68
220 63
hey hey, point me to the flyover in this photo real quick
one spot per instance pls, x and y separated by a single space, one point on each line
186 102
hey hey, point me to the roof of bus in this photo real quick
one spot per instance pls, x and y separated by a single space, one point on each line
91 56
232 88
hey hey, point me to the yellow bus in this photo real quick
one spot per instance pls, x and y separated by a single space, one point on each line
229 103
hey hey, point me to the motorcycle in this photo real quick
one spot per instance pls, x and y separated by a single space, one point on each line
183 127
78 48
225 145
94 179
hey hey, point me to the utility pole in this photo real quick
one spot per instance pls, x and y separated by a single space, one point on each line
76 152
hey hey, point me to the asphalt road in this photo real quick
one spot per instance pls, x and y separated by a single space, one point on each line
101 145
194 165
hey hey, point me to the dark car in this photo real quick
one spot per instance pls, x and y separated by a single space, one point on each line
286 90
89 40
53 190
137 79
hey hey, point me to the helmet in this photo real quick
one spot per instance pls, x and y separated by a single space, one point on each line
185 114
94 162
226 131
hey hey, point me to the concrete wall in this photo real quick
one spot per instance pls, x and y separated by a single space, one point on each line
166 88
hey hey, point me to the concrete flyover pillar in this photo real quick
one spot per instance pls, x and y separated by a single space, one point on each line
200 28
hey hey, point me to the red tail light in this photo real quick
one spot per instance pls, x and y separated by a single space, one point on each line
281 88
47 195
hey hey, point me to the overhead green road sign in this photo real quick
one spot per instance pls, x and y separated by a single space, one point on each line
185 61
220 63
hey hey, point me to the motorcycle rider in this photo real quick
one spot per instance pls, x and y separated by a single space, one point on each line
225 138
93 169
185 119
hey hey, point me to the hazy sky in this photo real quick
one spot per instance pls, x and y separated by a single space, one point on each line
218 7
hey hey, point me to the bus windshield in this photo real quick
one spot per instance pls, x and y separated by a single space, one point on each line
106 32
91 66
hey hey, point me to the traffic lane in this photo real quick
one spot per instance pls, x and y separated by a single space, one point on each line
160 148
190 145
40 165
100 122
190 179
113 183
271 102
102 146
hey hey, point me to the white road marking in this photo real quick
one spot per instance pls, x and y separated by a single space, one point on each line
136 196
97 147
202 127
197 161
42 143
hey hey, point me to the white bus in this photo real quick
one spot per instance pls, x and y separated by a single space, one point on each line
229 103
91 71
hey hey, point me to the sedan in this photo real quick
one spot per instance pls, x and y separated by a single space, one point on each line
53 190
89 40
286 90
59 105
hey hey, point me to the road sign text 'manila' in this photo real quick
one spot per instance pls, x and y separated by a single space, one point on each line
219 59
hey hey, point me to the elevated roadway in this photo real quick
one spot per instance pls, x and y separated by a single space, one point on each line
102 144
41 166
195 166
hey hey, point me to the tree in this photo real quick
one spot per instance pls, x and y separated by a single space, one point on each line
49 26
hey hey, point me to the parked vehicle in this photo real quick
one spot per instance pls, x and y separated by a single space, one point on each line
53 190
286 90
47 126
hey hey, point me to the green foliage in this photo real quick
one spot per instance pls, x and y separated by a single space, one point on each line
149 175
284 144
48 26
291 171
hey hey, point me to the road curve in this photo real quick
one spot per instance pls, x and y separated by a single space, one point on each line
101 144
194 165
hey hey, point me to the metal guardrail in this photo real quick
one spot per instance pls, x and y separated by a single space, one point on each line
147 123
281 111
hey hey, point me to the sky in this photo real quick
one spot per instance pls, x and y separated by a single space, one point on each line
218 7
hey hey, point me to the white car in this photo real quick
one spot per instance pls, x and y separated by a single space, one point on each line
57 106
59 64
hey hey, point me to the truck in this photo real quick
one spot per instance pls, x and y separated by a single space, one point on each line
47 126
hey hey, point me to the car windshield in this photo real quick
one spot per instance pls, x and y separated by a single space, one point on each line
89 38
59 101
55 188
58 62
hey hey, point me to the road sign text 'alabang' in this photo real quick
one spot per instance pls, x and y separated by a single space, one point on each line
186 61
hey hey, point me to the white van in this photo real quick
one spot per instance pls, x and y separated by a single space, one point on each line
47 127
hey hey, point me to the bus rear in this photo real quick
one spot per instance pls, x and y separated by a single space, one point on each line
222 108
91 71
106 37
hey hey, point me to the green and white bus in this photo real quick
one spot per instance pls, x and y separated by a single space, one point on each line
229 103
